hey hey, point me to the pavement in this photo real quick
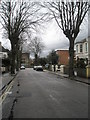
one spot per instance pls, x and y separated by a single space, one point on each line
5 79
79 79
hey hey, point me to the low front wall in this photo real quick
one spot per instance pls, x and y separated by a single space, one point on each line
81 72
64 69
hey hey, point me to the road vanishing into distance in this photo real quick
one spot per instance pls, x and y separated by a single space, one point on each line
36 94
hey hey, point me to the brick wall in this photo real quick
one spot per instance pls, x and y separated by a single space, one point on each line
25 59
63 57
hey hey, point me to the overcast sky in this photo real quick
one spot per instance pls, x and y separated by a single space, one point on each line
52 37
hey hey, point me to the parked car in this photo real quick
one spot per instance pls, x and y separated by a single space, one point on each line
46 66
22 67
39 68
34 67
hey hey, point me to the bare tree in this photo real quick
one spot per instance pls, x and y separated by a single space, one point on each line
36 46
19 51
69 16
18 18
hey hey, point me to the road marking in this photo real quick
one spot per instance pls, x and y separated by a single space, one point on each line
9 93
53 98
6 92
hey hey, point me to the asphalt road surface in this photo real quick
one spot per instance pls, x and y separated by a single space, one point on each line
38 94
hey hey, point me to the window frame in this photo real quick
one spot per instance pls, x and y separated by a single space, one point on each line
81 48
86 47
76 48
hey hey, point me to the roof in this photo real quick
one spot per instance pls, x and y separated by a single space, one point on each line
82 40
61 50
2 49
25 53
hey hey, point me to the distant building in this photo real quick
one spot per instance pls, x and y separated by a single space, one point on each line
83 49
4 59
63 57
25 59
3 52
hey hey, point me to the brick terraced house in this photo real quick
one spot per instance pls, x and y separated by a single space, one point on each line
63 57
25 59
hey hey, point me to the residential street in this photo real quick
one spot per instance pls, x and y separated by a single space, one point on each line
37 94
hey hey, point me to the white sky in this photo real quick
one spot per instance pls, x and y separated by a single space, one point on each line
52 36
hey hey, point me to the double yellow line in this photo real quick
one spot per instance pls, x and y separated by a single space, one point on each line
4 95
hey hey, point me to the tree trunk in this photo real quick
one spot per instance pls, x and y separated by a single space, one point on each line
17 66
18 58
71 58
13 59
0 61
36 59
54 68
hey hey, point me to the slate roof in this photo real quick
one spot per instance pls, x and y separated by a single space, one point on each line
82 40
2 49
